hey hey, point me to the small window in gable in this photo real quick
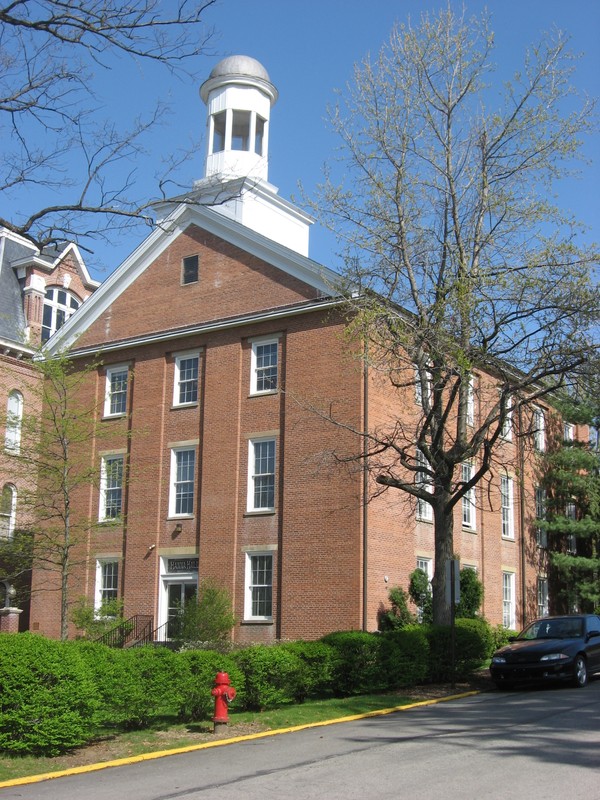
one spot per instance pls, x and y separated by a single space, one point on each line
189 270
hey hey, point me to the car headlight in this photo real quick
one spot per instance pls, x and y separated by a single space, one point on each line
555 657
498 660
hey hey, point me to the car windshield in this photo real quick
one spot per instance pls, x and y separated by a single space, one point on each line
553 629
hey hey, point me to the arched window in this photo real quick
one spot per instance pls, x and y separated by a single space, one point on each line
14 420
8 511
59 304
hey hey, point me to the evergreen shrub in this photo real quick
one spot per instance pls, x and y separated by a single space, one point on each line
404 656
358 665
274 676
320 661
200 668
48 700
473 646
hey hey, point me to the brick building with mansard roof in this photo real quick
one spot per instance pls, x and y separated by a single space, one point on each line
219 337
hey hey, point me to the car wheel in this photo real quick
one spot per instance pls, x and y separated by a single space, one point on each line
580 675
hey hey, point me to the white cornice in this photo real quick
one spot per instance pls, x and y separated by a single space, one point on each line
304 269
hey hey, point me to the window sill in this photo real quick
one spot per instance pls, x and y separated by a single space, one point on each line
508 538
469 529
264 394
260 512
257 621
177 406
113 416
179 517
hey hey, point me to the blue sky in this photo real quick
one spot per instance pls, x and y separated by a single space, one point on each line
309 48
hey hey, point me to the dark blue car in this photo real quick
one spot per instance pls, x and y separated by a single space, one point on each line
550 649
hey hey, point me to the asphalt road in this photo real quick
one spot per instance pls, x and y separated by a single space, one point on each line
532 744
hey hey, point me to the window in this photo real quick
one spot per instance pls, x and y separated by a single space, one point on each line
14 421
186 379
259 135
423 399
59 304
539 430
471 402
468 499
426 564
183 463
423 481
541 535
568 432
219 123
240 131
190 269
264 366
111 487
542 597
506 494
261 475
8 511
107 582
506 430
508 600
259 586
115 403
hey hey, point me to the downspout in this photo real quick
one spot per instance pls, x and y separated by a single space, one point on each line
365 487
521 462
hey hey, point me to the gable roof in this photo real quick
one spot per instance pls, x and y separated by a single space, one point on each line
290 262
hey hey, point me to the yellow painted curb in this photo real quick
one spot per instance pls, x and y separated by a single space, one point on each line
121 762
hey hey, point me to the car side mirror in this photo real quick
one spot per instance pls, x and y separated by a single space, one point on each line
591 634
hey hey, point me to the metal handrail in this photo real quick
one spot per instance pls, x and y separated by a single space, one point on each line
128 632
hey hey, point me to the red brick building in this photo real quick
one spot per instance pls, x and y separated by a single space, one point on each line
220 342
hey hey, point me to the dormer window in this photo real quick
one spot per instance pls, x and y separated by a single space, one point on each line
59 304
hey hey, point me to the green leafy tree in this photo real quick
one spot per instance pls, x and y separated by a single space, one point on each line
398 615
419 590
471 595
210 618
572 525
52 463
456 258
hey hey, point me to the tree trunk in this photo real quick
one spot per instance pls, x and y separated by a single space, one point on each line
444 551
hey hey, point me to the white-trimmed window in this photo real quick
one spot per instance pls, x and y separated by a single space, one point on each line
8 511
568 432
59 304
111 487
426 564
468 499
509 618
471 402
539 430
541 534
183 468
507 503
264 366
261 475
14 421
542 597
107 582
258 601
421 399
185 390
423 481
115 402
506 430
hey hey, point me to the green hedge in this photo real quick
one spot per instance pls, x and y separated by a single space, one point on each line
320 663
48 699
473 645
200 668
274 676
404 656
358 664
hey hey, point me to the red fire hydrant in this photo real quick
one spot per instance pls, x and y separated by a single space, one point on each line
223 693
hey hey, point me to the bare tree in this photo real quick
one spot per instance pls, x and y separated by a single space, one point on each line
55 138
456 256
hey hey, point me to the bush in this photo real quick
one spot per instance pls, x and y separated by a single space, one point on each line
48 701
473 645
118 682
398 616
200 668
210 618
471 594
358 665
157 681
274 676
320 661
405 656
420 593
94 624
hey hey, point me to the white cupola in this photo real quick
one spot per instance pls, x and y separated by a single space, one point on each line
239 96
